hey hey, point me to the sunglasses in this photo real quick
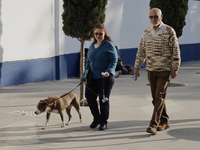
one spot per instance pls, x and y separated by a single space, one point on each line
96 33
155 17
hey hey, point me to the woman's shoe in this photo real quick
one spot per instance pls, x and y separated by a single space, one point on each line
103 126
94 124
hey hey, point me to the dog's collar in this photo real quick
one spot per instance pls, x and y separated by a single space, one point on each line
54 105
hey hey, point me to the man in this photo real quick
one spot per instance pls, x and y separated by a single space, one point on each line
159 46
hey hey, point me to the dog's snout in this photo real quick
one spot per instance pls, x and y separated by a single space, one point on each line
37 112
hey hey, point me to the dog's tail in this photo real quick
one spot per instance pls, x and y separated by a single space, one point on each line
83 102
80 100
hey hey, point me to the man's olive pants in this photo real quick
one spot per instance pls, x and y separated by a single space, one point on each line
159 82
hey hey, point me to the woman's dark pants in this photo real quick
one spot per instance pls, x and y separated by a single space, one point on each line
97 87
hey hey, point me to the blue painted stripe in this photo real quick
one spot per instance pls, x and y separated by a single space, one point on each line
67 66
73 65
20 72
55 68
190 52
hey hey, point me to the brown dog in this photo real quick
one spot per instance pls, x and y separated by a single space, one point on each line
57 104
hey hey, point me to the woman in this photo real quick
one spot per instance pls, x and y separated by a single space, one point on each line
103 75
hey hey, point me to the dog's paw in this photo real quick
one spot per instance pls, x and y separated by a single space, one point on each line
68 123
43 128
62 126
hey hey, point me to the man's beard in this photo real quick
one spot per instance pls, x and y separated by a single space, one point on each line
156 24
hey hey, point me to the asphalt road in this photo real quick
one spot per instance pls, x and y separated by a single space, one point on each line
130 113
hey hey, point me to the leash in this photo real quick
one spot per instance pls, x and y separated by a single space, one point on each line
70 91
54 100
104 98
92 91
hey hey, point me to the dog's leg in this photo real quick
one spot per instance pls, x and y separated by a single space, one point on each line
62 119
79 112
76 104
68 111
47 120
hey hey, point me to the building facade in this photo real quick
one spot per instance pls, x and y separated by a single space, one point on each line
33 47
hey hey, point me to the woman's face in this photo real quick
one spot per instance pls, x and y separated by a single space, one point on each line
99 35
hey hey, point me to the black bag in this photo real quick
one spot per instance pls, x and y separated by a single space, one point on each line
88 76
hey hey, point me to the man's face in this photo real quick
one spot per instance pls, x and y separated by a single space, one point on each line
155 17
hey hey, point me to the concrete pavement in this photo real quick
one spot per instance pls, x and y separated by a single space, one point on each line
130 113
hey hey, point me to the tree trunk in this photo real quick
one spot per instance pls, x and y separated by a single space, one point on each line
82 67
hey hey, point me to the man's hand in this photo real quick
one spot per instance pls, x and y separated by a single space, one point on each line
174 73
136 71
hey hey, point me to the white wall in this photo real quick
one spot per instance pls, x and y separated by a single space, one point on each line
132 19
32 29
191 31
27 29
127 19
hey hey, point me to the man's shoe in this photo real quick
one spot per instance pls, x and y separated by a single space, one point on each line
94 124
151 130
162 127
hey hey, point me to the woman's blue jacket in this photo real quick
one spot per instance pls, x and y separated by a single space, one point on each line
105 59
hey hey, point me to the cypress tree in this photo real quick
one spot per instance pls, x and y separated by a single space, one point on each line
79 18
174 12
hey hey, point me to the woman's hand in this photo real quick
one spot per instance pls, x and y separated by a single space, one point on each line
106 74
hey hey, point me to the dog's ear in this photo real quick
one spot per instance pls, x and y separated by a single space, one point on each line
40 102
45 103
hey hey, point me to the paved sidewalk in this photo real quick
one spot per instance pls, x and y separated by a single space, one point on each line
131 110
